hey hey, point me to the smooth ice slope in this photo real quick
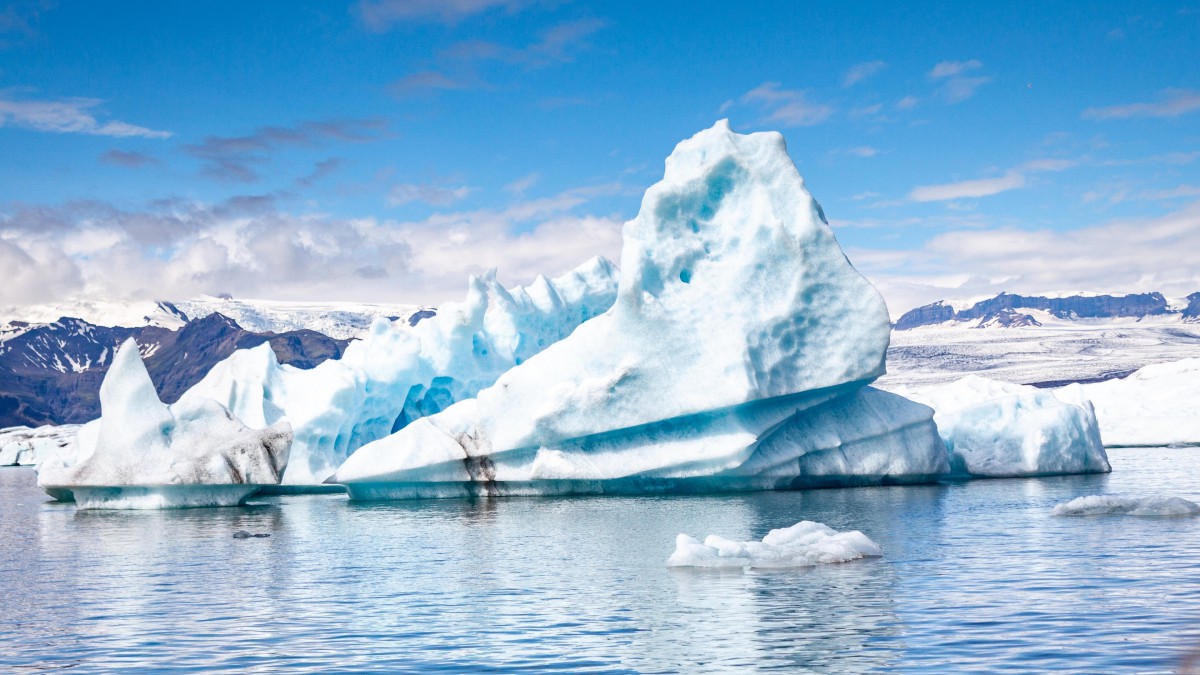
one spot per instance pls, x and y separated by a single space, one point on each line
736 311
869 437
140 442
397 374
1102 505
1157 405
998 429
802 545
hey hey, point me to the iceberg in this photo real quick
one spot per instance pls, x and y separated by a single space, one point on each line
735 356
142 453
397 374
802 545
998 429
1100 505
1156 405
21 446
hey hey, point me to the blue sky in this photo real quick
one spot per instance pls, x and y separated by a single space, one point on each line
382 150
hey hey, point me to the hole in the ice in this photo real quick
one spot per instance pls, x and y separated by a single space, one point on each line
685 275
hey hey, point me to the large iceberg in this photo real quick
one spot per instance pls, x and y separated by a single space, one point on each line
397 373
802 545
142 453
1156 405
735 357
998 429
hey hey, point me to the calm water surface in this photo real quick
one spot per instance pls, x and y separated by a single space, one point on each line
974 577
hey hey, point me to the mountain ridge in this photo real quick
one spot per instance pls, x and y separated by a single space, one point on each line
1010 310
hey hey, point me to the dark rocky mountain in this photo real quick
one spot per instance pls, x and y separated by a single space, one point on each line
1192 311
1009 310
1008 318
51 373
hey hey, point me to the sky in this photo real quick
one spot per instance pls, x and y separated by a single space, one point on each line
382 150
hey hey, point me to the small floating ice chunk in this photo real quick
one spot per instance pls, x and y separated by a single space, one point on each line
802 545
1100 505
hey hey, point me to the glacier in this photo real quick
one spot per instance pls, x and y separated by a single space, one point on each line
804 544
142 453
397 374
661 392
1101 505
998 429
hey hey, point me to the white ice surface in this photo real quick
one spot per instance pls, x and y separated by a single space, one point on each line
999 429
1062 353
139 441
397 374
802 545
736 310
21 446
1099 505
1157 405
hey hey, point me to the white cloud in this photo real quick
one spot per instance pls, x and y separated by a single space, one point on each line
952 68
68 116
788 107
1172 103
986 187
861 151
1122 256
862 71
906 103
250 248
982 187
380 15
1177 192
428 81
520 185
957 86
866 110
434 195
1049 164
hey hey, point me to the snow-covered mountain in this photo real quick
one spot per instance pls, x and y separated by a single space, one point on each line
340 320
1008 310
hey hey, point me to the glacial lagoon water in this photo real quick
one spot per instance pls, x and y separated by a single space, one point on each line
975 576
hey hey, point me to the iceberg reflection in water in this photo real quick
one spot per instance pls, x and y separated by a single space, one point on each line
973 575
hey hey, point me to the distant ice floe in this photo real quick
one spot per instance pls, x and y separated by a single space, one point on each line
1102 505
1156 405
21 446
802 545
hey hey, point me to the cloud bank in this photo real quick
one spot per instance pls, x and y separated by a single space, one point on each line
250 247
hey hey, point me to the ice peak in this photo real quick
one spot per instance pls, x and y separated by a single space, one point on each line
127 385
